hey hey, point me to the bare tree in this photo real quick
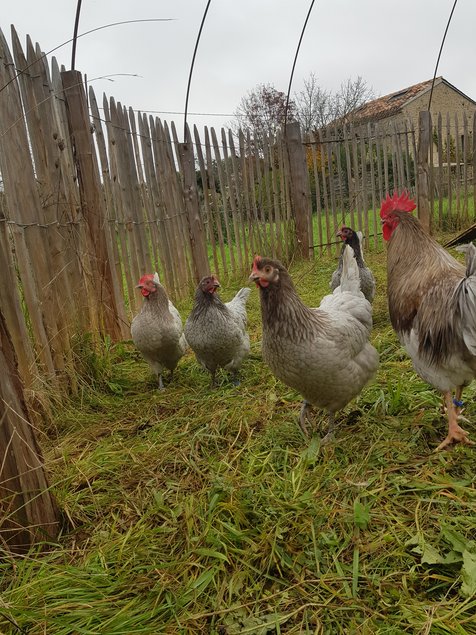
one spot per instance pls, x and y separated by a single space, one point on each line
262 112
353 93
314 105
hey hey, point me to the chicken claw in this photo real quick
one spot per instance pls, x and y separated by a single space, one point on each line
456 434
329 437
302 418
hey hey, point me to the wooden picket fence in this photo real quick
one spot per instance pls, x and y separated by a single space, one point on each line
92 197
95 196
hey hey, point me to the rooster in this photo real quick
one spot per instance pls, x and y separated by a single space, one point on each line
216 331
367 280
322 353
157 330
432 304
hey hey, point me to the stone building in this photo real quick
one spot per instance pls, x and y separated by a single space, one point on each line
406 104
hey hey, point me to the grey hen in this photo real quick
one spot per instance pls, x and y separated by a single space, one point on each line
323 353
216 331
157 330
367 280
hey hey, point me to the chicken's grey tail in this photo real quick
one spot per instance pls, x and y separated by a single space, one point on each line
470 251
350 278
243 295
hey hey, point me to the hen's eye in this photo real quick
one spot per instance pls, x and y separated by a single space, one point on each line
268 269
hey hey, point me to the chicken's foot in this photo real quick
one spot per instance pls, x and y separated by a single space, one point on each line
306 406
456 434
329 437
235 378
213 382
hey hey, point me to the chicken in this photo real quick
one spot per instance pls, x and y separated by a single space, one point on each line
157 330
432 304
322 353
367 280
216 331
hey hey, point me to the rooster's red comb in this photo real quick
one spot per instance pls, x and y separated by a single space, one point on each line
396 203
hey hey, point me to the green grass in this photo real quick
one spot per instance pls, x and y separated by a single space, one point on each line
199 511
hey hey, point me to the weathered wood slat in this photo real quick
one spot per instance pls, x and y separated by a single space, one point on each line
232 198
206 198
109 227
28 511
215 201
440 169
224 198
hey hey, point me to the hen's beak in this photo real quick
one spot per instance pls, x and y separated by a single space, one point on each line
254 276
139 286
339 233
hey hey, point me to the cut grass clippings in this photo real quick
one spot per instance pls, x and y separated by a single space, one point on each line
205 511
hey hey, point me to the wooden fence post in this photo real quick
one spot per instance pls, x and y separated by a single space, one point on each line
92 201
201 266
300 188
423 170
27 508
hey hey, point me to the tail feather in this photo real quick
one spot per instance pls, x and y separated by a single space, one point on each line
466 294
470 251
350 278
242 295
238 305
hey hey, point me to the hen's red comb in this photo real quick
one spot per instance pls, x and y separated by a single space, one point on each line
396 203
146 278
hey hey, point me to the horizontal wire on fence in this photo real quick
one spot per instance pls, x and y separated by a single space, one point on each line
59 95
359 137
339 242
116 221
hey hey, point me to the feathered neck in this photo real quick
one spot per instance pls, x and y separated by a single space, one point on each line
283 312
412 252
157 302
354 242
206 301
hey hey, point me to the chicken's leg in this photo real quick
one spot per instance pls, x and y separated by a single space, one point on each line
330 432
235 378
161 382
456 434
213 382
302 418
457 400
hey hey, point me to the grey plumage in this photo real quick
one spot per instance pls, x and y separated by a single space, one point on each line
216 331
157 330
367 280
323 353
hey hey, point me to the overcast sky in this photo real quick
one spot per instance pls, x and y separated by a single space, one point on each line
392 44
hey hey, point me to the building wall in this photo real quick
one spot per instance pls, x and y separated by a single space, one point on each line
445 100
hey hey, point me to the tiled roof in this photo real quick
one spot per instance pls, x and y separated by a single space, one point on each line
389 104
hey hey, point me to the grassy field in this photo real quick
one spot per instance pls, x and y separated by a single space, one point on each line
205 511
